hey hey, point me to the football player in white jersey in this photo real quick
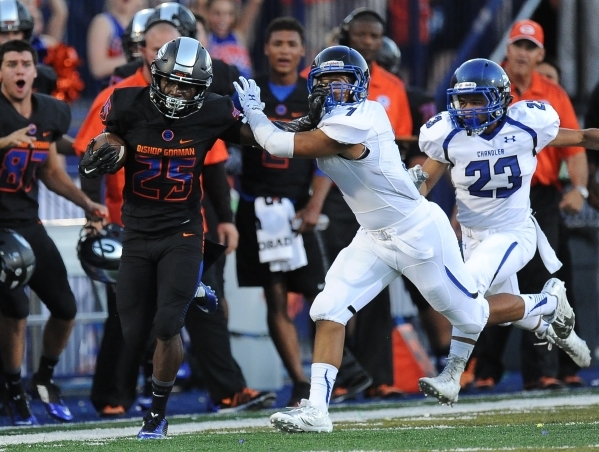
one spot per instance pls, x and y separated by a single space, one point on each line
401 232
491 150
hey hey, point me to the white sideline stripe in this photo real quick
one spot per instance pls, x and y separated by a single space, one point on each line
98 434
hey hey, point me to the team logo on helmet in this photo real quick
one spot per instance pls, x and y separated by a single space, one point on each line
332 65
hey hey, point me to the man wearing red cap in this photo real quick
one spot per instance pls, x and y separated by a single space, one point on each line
540 367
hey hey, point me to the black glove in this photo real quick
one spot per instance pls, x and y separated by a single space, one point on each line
316 102
316 112
101 161
302 124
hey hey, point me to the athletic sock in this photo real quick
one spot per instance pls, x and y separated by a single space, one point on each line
461 349
160 393
533 323
539 304
322 380
45 371
13 382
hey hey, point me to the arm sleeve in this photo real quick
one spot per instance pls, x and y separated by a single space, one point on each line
217 188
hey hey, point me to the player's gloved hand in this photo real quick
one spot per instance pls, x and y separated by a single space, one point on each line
302 124
249 95
101 161
418 176
316 101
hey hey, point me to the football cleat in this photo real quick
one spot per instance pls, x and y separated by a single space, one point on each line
155 426
563 318
49 394
205 298
246 399
305 418
573 345
445 386
19 410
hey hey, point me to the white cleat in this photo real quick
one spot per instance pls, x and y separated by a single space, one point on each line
305 418
445 386
573 345
563 318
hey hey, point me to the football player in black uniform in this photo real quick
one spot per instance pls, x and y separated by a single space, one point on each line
168 128
30 124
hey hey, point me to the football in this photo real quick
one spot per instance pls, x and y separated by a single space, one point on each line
117 146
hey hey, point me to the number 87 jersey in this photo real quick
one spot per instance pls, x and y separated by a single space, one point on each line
492 172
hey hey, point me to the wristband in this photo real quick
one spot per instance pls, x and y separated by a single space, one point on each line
583 191
270 137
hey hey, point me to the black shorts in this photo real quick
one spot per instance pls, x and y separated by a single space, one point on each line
307 280
158 277
49 280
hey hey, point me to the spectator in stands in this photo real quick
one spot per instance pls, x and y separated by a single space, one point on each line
54 28
230 31
104 47
31 124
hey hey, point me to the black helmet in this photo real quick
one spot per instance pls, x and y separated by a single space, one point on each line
100 253
134 33
15 17
341 60
389 57
478 76
17 261
182 60
178 15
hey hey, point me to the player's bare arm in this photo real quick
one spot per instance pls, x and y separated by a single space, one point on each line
311 144
57 180
435 170
588 138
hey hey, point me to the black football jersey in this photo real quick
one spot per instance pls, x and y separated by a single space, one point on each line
49 120
266 175
165 156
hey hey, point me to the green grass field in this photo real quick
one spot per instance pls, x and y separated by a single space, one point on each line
548 421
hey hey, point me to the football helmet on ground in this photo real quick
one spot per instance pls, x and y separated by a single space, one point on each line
340 60
186 61
478 76
100 252
17 261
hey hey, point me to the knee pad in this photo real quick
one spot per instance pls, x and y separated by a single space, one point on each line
323 309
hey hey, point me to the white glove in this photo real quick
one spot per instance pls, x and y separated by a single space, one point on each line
418 176
249 95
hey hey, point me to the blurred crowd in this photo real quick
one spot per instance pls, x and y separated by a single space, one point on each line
122 41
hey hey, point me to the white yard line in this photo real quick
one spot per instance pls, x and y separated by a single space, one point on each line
426 410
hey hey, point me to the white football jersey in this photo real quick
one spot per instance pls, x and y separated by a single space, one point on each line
376 186
492 173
